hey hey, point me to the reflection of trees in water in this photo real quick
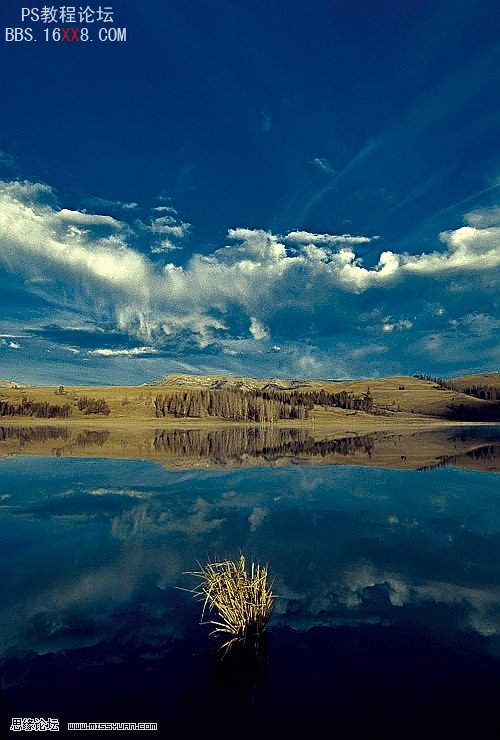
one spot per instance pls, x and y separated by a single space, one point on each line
219 445
255 442
25 435
485 454
88 438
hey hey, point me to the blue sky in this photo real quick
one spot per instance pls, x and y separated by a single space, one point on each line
284 188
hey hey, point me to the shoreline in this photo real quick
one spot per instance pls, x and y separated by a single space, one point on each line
354 420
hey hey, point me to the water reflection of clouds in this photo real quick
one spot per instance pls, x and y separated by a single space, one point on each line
481 603
147 521
479 608
257 517
95 597
330 551
132 492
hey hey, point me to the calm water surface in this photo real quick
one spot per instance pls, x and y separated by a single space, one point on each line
387 623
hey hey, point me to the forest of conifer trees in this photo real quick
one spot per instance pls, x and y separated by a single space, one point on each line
255 406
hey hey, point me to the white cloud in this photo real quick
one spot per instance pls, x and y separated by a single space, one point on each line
257 247
305 237
168 225
257 329
37 240
390 324
165 245
165 209
35 192
84 262
480 324
468 249
167 231
10 345
81 218
122 352
484 217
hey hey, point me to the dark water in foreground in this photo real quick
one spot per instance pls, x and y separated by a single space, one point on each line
387 626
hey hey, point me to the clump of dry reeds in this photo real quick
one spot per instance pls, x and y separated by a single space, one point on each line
241 599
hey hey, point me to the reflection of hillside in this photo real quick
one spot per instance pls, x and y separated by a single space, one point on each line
268 443
484 457
474 447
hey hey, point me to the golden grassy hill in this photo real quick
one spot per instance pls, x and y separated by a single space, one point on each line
478 379
395 397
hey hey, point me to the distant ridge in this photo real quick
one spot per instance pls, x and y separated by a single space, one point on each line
492 379
10 384
237 382
219 382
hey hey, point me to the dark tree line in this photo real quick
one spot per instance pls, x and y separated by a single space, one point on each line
486 392
233 404
39 409
93 406
342 400
255 406
442 383
46 410
310 399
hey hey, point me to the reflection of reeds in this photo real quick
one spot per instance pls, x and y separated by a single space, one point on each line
241 599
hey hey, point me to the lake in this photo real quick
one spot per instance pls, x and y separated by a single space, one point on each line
387 619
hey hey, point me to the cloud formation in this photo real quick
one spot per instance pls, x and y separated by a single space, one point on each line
259 287
134 351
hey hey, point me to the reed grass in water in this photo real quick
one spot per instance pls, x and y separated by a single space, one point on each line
240 599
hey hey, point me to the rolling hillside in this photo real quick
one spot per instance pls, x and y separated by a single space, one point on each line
393 398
